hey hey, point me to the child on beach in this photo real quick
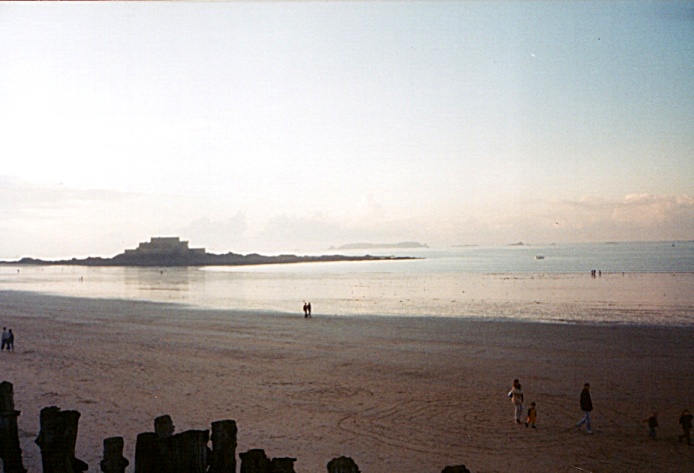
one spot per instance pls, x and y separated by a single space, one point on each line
532 416
652 424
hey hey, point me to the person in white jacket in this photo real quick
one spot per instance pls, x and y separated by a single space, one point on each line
516 395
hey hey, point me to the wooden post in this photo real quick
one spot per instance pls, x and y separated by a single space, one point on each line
113 461
189 452
283 465
10 452
223 456
163 426
146 453
342 465
164 429
57 440
255 461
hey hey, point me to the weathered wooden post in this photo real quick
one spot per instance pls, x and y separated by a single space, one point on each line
189 452
456 469
223 456
282 465
146 453
10 452
57 440
164 428
342 465
255 461
113 461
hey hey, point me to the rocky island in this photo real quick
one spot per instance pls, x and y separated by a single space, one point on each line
171 251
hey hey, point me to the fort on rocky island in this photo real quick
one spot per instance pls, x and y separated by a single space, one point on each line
171 251
161 246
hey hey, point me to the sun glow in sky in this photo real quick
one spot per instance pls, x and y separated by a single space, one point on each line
296 126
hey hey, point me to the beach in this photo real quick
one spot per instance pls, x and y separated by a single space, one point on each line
405 394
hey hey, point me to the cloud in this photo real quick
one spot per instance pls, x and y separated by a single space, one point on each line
634 217
17 195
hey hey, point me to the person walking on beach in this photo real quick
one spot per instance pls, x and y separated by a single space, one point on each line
586 407
652 422
10 340
305 310
308 307
5 339
516 395
686 423
532 416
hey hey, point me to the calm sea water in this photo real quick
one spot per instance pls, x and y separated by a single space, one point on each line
640 283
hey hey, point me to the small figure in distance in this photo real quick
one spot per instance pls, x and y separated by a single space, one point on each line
305 310
516 395
10 341
686 423
532 416
586 407
308 307
5 339
652 422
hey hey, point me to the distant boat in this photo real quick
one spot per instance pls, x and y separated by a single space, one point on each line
539 257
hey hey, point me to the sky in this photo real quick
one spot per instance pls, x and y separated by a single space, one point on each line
296 126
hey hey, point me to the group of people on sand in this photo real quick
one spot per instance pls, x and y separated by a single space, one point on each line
307 310
586 403
516 395
7 339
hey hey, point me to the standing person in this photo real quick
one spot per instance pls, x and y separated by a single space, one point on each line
309 309
305 310
516 395
652 424
686 423
5 339
586 407
10 340
532 416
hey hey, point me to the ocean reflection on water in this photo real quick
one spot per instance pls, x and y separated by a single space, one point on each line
446 283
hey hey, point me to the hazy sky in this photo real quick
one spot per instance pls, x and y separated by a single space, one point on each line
296 126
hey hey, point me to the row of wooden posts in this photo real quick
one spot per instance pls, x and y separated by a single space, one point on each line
155 452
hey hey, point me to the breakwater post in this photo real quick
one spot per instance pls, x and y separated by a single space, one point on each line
57 440
113 461
223 456
342 465
10 452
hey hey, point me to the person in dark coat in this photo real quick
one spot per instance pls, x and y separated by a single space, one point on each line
586 407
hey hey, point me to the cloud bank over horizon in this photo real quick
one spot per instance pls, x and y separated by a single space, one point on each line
105 222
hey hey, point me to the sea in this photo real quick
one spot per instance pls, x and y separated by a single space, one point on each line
633 283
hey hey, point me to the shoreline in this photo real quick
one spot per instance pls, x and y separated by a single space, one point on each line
407 394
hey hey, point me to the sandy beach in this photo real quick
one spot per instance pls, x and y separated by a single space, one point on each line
397 394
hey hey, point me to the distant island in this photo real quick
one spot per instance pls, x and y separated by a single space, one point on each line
379 246
171 251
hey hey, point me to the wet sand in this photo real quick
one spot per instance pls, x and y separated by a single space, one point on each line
396 394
